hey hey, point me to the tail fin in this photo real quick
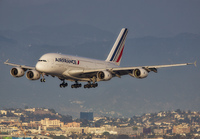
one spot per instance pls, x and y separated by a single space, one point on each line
115 54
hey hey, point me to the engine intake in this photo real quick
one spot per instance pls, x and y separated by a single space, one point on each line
17 72
104 75
139 73
33 75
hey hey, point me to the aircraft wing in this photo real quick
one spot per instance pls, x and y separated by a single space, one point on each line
127 70
120 71
21 66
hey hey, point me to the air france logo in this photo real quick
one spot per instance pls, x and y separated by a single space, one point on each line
75 62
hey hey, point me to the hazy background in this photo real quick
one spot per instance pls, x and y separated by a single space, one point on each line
160 32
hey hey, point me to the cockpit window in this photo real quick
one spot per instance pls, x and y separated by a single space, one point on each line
42 60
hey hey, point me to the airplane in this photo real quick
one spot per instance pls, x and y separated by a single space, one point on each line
79 69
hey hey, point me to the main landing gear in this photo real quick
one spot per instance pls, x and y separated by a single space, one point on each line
63 85
76 85
89 85
93 85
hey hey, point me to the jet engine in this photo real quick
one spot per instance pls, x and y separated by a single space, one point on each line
17 72
104 75
33 75
139 73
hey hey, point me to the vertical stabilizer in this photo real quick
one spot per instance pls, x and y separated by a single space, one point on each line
115 54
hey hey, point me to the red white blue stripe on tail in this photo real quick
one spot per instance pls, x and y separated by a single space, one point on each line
116 52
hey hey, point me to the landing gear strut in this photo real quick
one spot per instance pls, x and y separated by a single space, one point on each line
63 85
42 79
93 85
76 85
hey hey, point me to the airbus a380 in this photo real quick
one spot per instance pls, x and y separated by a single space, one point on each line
79 69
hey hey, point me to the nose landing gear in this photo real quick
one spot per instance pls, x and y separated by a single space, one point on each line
42 79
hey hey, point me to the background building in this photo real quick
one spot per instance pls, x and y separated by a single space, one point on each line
86 115
51 123
9 119
73 124
180 129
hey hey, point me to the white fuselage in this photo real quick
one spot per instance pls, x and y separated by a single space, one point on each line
63 66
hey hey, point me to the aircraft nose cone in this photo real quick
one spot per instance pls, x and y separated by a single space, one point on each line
39 66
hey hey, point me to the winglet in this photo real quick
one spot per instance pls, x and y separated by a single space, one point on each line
6 61
195 63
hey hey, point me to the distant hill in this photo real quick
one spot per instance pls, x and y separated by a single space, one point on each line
89 41
75 39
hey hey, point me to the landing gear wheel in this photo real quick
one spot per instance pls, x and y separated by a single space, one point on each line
89 85
63 85
42 80
76 85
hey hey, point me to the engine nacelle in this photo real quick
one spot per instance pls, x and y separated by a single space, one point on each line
33 75
139 73
104 75
17 72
